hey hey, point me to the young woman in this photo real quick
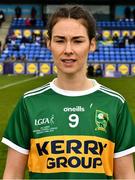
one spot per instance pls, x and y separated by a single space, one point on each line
73 127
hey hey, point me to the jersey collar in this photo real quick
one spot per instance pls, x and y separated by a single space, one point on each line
75 93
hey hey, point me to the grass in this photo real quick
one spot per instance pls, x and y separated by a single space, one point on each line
10 95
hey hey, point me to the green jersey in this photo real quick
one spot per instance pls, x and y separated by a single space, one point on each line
71 134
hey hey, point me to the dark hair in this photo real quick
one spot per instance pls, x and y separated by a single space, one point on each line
74 12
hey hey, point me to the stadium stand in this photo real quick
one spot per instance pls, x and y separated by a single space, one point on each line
22 23
115 45
25 43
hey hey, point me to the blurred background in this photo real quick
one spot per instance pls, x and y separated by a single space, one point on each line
26 63
23 33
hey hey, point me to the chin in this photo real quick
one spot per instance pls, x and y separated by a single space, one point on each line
70 71
67 70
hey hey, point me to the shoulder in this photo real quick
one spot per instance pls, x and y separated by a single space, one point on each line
111 93
37 91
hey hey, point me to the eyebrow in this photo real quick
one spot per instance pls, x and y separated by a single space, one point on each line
63 37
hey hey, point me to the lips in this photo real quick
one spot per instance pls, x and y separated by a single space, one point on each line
68 60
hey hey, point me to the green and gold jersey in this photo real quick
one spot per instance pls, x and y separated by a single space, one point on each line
71 134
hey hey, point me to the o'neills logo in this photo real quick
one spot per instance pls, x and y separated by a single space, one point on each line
74 109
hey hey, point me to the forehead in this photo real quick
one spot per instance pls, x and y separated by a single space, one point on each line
69 27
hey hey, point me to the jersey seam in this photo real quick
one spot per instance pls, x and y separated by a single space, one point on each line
36 93
112 94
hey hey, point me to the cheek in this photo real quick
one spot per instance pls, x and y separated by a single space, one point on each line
56 56
83 53
56 51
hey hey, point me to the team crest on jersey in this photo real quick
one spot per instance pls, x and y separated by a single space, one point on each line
101 119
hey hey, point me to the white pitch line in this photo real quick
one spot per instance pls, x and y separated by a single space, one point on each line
16 83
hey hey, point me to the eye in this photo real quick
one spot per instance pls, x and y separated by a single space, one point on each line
78 41
59 41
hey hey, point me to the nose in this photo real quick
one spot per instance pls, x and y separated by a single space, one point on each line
68 48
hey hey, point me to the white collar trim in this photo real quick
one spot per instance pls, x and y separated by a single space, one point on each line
75 93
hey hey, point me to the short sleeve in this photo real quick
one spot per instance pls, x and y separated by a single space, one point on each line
125 133
17 133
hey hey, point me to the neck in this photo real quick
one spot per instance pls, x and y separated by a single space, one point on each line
73 83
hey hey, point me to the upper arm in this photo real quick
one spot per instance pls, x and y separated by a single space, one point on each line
124 145
124 167
15 165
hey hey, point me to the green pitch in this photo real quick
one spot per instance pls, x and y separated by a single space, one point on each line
12 87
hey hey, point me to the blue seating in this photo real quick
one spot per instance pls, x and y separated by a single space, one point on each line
105 52
2 59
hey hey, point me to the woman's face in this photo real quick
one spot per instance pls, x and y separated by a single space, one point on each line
70 46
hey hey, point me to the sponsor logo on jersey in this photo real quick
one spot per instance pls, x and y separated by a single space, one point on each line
44 121
46 124
84 154
101 119
74 109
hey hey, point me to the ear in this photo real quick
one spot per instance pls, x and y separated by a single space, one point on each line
92 45
48 43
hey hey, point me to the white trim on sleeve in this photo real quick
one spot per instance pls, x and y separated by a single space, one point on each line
125 152
14 146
